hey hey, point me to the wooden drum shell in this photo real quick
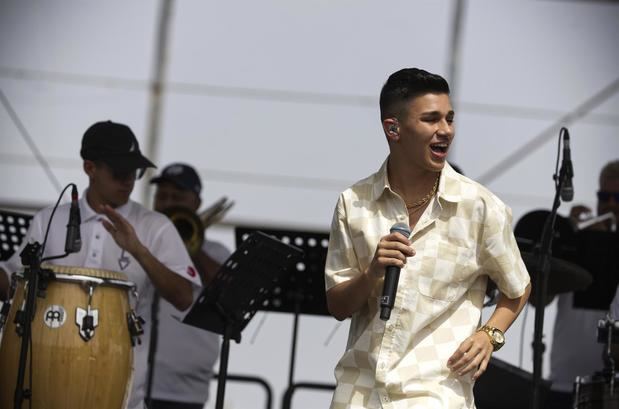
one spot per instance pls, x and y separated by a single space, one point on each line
67 371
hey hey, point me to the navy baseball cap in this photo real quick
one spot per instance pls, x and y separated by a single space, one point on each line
114 144
182 175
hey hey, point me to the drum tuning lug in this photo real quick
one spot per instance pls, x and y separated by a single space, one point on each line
19 322
4 313
135 323
87 321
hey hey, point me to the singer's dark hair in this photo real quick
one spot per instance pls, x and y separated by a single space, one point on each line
404 85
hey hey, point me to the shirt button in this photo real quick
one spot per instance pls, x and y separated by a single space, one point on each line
385 398
94 254
97 237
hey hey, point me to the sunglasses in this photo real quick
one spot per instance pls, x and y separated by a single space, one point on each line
604 196
122 175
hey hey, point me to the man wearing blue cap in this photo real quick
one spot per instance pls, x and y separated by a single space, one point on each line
181 381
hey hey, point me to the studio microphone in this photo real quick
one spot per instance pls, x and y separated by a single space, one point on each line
73 243
567 190
392 275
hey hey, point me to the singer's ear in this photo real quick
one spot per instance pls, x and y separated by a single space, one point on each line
391 127
89 168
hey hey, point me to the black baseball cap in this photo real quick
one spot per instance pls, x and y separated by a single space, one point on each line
114 144
182 175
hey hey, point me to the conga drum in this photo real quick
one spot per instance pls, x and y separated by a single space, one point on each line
81 355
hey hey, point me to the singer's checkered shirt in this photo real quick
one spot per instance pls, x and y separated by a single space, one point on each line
464 235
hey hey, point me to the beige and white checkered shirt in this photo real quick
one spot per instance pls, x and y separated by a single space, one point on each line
464 235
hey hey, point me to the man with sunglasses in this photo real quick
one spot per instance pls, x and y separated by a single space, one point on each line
118 234
575 350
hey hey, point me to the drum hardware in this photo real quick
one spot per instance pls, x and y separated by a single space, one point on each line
136 329
87 319
4 313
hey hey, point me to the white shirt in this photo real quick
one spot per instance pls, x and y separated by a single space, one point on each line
99 250
185 377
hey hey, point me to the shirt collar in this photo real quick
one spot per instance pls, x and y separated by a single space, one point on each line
448 187
87 213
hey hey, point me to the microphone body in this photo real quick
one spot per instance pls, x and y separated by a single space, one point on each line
567 189
73 242
392 276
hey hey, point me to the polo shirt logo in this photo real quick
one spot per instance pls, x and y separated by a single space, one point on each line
123 261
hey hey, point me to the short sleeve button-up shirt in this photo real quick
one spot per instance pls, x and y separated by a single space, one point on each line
463 236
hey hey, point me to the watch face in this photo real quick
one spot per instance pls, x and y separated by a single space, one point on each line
498 337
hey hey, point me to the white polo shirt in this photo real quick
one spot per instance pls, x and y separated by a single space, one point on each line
185 377
99 250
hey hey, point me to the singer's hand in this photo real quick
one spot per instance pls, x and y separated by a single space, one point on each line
473 354
392 250
121 230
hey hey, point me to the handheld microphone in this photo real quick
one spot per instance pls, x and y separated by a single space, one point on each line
392 276
567 190
73 242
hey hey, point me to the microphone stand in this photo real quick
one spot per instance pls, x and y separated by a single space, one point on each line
542 254
35 284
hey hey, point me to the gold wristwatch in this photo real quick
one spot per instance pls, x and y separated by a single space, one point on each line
497 338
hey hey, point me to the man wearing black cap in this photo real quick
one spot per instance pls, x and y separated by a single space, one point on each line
180 381
119 234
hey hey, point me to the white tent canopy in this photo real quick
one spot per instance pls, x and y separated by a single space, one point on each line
276 104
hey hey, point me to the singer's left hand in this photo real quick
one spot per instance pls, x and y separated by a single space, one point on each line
121 230
473 354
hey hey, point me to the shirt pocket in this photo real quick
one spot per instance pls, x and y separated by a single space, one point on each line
444 268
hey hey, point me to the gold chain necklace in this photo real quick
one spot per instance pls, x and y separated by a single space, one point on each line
423 200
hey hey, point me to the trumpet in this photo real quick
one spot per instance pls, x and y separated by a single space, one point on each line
191 226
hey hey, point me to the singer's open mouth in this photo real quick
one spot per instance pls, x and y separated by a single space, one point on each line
439 147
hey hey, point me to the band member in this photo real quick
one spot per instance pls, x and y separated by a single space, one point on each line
575 350
181 380
431 350
119 234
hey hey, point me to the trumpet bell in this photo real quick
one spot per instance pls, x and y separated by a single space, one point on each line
189 227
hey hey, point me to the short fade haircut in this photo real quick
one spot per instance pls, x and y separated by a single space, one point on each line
406 84
610 171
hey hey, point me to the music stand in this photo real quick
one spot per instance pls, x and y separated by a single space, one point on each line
240 286
302 292
13 229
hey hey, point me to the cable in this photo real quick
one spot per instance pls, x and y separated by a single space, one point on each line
51 216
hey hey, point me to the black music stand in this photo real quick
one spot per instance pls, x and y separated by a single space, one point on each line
241 285
302 292
13 229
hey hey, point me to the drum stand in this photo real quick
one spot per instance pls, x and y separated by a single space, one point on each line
540 286
242 283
